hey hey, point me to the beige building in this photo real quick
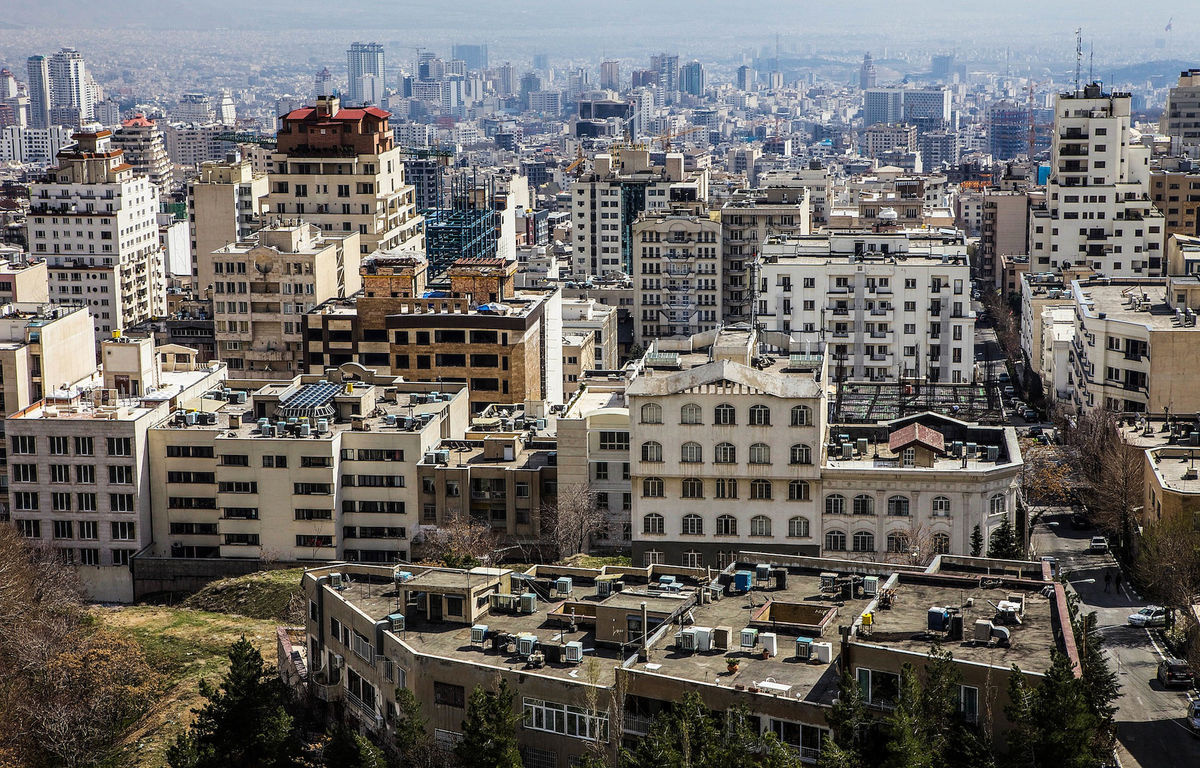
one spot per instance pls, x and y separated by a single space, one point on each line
746 221
40 351
25 281
1003 232
225 205
888 137
579 355
592 316
263 286
339 168
1180 120
676 273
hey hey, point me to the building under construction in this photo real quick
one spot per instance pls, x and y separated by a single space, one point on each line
869 402
465 230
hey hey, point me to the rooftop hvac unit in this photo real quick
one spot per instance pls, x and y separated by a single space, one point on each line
336 581
993 453
862 446
720 637
847 451
443 457
972 448
870 586
983 630
604 588
956 448
322 425
704 638
823 652
573 652
770 642
525 644
397 621
401 576
390 419
939 619
563 585
762 571
268 430
337 661
239 397
749 637
804 648
479 633
686 640
528 603
190 418
305 430
828 582
431 457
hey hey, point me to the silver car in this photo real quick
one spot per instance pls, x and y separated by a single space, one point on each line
1150 616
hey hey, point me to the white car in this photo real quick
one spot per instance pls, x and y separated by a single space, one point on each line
1150 616
1193 715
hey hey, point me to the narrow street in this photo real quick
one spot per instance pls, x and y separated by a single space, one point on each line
1150 723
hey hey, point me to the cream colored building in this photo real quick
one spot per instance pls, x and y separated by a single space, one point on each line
225 205
263 286
746 221
40 351
676 273
591 315
24 280
579 355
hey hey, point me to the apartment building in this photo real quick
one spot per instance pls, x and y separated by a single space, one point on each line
23 280
340 169
477 328
94 221
146 150
606 202
40 351
579 356
746 220
79 461
192 144
1175 190
815 178
887 305
882 138
1003 231
595 654
1097 209
600 321
676 273
1042 292
225 205
262 287
320 467
1181 117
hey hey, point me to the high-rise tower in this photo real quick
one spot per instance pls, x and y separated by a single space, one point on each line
363 59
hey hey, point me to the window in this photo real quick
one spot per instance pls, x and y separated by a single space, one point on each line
908 457
84 446
119 446
760 490
25 500
726 525
85 474
801 454
692 488
120 474
571 721
653 523
798 528
996 505
89 556
652 488
448 695
760 525
692 525
614 441
649 557
59 445
940 506
864 541
88 529
801 416
652 413
123 531
25 445
238 486
968 703
86 501
941 544
690 414
835 541
725 453
864 504
879 688
724 415
798 490
234 460
692 559
727 488
760 453
835 504
63 529
24 473
897 541
691 453
760 416
897 506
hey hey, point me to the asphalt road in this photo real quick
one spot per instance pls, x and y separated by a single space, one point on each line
1150 722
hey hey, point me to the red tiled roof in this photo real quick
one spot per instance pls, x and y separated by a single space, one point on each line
299 114
916 433
352 113
137 120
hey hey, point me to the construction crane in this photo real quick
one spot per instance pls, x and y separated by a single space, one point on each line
665 138
577 163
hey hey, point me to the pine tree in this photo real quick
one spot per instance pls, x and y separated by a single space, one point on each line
243 723
1053 724
410 729
490 730
1003 543
1098 679
976 541
347 748
908 744
855 730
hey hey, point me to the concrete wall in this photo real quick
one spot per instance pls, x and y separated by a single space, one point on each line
165 576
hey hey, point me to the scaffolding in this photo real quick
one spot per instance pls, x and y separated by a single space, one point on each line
465 230
869 402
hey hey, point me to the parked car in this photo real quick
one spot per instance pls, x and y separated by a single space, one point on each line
1030 415
1174 672
1080 522
1193 715
1035 431
1150 616
1009 390
1099 544
1003 378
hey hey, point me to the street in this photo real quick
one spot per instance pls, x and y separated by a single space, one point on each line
1150 721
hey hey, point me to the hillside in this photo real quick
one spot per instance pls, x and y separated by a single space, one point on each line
268 595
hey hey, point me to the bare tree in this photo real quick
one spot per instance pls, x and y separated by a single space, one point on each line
917 544
1119 489
1046 476
571 519
1169 560
462 542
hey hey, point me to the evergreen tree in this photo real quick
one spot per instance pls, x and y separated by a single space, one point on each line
1003 544
1019 711
490 730
410 729
908 743
1098 679
243 724
1055 726
347 748
976 541
855 731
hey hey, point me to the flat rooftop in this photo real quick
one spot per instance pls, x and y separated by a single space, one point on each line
1116 300
1175 467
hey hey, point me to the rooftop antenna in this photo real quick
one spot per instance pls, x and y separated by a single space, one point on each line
1092 61
1078 56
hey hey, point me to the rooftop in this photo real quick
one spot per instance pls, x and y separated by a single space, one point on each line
1175 467
1140 302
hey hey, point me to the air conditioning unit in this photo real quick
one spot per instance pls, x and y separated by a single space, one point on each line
870 586
770 642
528 603
604 588
338 661
397 620
525 644
762 571
478 633
823 652
704 638
686 640
563 586
804 648
938 619
402 576
983 631
573 652
749 637
828 581
336 581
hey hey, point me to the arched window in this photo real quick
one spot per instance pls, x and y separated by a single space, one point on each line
835 504
864 504
760 490
760 525
693 525
652 413
691 559
798 490
898 506
726 525
897 541
835 541
725 453
798 528
760 453
691 453
652 487
760 416
692 488
690 414
724 415
801 454
997 505
941 506
941 543
652 451
864 541
801 416
652 523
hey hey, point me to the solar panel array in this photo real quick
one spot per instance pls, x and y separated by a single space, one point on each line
312 396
